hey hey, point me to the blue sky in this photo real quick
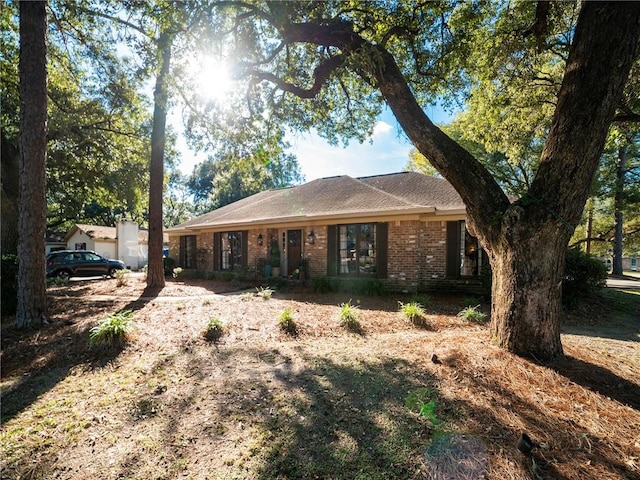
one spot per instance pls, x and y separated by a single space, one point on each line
386 152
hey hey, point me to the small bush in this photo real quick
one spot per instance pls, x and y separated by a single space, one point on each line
286 322
177 272
584 274
247 296
57 281
278 283
324 285
349 316
414 312
113 330
472 314
372 288
122 277
214 329
423 300
169 264
471 300
265 292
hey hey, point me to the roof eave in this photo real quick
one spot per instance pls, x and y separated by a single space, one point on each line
417 213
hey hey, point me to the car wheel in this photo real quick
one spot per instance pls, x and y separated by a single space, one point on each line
63 275
112 272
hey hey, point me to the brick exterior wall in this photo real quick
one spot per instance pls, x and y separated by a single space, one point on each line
416 254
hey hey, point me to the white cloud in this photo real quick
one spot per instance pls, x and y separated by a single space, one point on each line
380 128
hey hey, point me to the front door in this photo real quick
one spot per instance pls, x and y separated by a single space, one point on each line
294 250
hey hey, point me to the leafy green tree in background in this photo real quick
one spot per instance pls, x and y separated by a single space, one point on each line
611 224
332 65
243 167
508 114
98 125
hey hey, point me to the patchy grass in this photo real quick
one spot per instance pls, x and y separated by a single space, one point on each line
324 404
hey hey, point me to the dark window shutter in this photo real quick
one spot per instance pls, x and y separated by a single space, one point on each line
183 248
453 249
332 250
216 252
245 247
382 249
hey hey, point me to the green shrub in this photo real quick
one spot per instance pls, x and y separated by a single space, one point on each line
278 283
9 286
113 330
324 285
122 277
286 322
169 264
57 281
214 329
472 314
471 300
265 292
349 316
414 312
370 288
423 300
584 274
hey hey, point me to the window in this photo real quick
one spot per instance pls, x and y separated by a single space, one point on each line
357 249
464 255
230 250
188 251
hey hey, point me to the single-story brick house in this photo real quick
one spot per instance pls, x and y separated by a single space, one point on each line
405 229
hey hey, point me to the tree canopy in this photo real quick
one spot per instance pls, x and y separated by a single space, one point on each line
98 121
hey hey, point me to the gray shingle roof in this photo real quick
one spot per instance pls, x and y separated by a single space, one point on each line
398 193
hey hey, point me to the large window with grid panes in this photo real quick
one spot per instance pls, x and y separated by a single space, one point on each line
358 249
230 250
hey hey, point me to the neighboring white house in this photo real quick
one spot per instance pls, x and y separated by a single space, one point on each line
125 242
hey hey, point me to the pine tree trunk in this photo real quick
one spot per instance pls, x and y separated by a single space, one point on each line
32 300
155 272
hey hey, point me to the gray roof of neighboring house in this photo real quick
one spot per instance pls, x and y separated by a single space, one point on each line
98 232
393 194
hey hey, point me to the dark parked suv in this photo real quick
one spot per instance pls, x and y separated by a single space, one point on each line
80 263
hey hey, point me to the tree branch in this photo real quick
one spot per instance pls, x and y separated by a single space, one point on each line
321 74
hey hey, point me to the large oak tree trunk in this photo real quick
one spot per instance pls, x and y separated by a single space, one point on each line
526 296
155 272
32 304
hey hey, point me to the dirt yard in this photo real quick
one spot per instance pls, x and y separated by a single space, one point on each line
325 404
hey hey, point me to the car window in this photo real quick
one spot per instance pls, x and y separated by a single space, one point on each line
92 257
